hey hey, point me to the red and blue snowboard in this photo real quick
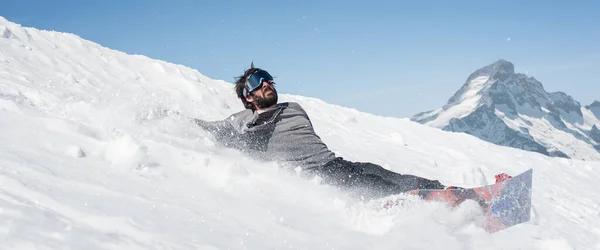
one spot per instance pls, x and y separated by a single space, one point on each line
505 203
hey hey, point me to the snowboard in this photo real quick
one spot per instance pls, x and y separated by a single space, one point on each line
505 203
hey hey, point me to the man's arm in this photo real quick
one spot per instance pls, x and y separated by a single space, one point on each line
221 129
223 132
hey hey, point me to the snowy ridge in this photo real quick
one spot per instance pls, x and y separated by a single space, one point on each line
510 109
90 159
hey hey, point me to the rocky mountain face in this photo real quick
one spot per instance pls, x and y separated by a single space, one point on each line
594 108
511 109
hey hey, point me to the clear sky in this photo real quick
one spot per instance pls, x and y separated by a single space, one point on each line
391 58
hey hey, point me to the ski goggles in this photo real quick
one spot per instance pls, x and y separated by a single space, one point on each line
256 80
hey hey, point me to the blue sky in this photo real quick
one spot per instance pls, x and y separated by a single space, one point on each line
391 58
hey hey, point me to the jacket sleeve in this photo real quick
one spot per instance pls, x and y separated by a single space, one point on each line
223 132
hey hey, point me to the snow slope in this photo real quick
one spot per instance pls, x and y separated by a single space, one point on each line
89 161
510 109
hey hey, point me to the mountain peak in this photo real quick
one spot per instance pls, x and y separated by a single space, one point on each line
501 106
482 78
501 63
595 104
500 69
595 109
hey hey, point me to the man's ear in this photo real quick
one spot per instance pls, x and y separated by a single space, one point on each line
250 99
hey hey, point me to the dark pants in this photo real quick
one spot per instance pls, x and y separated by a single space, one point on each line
368 179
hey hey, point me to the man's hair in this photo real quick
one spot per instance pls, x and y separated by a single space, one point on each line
240 84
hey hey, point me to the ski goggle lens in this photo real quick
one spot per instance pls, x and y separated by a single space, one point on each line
255 81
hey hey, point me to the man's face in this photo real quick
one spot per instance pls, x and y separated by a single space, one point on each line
265 96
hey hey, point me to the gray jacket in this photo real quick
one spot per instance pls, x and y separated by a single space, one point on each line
284 134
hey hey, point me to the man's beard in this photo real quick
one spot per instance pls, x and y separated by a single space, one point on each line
267 101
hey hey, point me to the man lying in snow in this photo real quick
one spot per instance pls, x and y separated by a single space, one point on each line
283 132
